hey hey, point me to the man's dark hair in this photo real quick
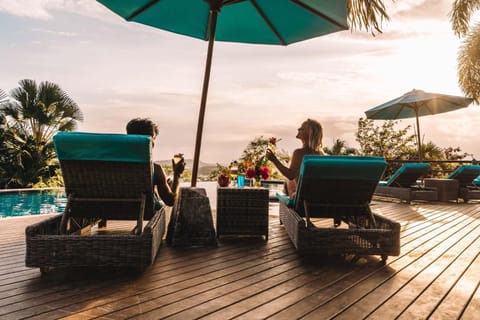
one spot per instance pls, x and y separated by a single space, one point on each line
142 126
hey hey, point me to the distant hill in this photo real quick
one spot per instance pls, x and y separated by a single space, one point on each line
204 168
189 164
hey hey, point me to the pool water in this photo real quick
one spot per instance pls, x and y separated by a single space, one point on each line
40 201
32 202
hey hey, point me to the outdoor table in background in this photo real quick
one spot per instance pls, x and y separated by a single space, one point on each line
242 211
447 189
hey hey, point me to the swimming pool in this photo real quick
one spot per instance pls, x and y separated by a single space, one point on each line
31 202
27 202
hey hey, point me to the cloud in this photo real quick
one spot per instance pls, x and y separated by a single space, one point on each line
58 33
43 9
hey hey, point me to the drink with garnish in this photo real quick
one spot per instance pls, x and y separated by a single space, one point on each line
177 158
234 171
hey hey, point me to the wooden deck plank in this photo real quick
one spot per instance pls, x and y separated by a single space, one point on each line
178 273
435 276
174 274
458 256
376 286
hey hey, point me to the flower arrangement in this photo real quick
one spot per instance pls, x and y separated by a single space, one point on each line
255 163
258 172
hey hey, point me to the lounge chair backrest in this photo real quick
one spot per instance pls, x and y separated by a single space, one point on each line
407 175
337 180
96 165
465 174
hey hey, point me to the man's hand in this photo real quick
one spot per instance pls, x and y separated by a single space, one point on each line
178 167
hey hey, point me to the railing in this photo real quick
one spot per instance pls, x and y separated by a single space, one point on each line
440 171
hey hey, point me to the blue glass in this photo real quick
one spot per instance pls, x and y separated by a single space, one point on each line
241 180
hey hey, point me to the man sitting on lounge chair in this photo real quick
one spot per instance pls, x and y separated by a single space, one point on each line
166 190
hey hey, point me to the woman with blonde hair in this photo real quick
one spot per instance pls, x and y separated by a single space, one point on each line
310 133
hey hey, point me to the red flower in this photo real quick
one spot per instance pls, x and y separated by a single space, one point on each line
264 173
273 140
250 173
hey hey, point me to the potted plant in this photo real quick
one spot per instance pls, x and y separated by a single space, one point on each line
223 177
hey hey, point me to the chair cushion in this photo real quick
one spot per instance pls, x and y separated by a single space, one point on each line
282 197
337 180
477 181
407 175
465 174
103 147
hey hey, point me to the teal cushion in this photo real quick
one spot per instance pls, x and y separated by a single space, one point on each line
317 169
283 198
407 174
342 167
103 147
477 181
465 174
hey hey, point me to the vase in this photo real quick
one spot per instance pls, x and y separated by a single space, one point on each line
223 180
257 182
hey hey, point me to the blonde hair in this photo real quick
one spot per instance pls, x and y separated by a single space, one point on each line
315 135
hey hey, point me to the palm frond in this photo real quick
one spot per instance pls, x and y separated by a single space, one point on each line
367 14
3 96
460 16
469 64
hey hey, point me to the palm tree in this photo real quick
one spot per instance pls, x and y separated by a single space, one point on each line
41 110
32 115
469 54
340 147
367 14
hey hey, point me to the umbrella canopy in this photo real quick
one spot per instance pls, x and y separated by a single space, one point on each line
279 22
417 103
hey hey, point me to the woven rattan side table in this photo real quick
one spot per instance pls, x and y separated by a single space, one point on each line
447 189
242 211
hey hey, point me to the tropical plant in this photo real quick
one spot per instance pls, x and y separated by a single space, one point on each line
253 156
340 147
469 53
397 144
31 116
367 14
384 140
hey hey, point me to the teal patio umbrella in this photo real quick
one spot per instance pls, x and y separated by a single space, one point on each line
279 22
415 104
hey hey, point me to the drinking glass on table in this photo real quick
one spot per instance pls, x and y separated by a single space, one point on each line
234 171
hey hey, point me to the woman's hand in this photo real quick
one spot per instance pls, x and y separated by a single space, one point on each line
270 155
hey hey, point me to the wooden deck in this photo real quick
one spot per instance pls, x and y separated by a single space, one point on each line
437 276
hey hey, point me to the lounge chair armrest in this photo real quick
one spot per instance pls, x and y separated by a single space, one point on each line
283 198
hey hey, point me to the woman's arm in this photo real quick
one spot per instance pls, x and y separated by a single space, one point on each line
291 172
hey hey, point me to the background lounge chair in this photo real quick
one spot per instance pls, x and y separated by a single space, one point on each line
107 177
339 187
403 184
466 175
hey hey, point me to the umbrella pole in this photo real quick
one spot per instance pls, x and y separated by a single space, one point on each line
419 142
206 80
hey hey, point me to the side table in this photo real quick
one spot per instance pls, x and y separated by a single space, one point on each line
447 189
242 211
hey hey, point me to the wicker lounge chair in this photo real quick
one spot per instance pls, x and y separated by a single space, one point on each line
107 177
339 187
403 185
467 175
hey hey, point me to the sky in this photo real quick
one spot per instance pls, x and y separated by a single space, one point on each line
117 70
